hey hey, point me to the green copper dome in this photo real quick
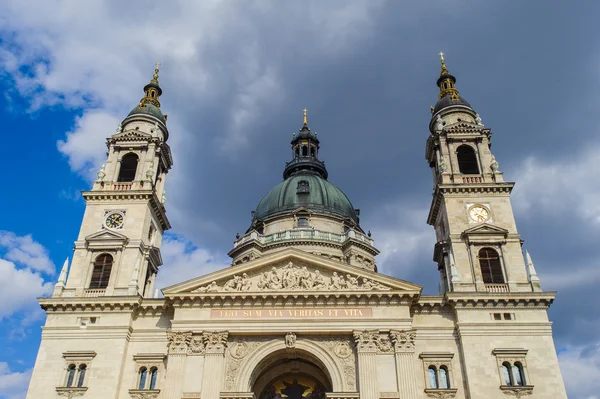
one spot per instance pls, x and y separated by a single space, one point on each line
305 190
148 109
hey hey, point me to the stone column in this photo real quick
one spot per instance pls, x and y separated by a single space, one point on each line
404 351
214 364
366 347
178 347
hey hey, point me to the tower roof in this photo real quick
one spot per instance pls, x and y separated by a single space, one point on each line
449 95
149 104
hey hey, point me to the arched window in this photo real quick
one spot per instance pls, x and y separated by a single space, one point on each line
312 151
518 374
70 375
128 167
153 377
80 380
491 269
101 272
444 380
506 373
304 150
433 383
143 375
467 160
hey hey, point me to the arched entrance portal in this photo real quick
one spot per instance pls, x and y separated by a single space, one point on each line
291 375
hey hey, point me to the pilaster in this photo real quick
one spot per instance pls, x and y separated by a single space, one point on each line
404 351
178 346
214 364
366 347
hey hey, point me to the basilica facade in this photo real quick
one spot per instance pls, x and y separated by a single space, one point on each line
302 311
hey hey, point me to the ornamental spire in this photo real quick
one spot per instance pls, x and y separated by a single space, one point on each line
446 81
152 90
305 121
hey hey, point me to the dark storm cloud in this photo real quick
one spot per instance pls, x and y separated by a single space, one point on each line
524 66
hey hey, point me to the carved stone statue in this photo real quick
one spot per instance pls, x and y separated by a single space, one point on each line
478 120
246 282
150 171
319 282
274 280
351 282
263 283
494 165
439 125
290 340
101 173
119 128
442 165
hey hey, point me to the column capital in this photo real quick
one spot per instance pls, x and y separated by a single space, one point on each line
371 341
404 341
179 342
215 341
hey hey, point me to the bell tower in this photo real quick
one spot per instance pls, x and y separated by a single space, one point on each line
117 251
478 246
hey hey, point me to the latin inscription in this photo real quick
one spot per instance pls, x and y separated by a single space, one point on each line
290 313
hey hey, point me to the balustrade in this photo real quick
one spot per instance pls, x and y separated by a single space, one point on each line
496 287
94 293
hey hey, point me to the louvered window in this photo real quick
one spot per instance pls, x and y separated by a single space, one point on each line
128 167
491 269
101 272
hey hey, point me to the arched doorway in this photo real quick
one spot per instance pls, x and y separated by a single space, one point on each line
291 375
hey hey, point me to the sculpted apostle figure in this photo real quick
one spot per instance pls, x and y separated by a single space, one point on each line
367 284
231 284
336 282
319 281
212 287
352 282
306 279
246 283
274 281
263 283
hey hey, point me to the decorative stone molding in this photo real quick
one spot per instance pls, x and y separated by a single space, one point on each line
179 341
237 395
441 393
215 341
342 395
144 393
404 341
237 350
196 345
294 278
517 392
372 341
342 348
149 360
389 395
190 395
70 392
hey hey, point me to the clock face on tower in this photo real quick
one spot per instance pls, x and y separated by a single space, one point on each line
114 220
479 214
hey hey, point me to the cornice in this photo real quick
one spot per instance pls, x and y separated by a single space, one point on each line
295 298
460 189
144 195
479 300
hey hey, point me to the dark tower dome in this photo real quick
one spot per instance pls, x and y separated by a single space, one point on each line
449 95
149 104
305 184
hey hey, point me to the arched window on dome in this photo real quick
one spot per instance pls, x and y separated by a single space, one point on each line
491 268
128 168
467 160
304 150
101 272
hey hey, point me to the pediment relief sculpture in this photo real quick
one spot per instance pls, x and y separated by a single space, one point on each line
294 278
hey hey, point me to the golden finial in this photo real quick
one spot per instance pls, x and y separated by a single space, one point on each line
305 121
443 61
155 76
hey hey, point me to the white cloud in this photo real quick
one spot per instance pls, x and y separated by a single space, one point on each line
580 369
184 261
19 289
13 385
25 251
85 144
559 186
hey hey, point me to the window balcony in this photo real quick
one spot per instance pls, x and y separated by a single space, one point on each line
496 287
94 293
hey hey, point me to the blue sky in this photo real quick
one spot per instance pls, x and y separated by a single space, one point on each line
236 77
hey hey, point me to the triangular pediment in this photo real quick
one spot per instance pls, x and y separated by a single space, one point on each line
465 128
132 135
485 229
106 239
290 270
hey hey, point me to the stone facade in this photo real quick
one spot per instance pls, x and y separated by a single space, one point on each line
297 315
